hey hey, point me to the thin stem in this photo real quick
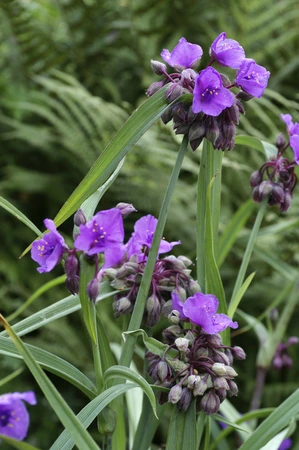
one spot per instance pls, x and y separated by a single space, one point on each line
96 353
138 311
258 389
249 248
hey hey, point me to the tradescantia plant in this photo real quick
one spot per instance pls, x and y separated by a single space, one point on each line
189 364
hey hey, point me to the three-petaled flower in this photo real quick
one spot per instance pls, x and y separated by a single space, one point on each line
14 417
201 309
184 55
227 52
48 251
210 97
252 78
293 132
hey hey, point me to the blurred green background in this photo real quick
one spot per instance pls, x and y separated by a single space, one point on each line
71 72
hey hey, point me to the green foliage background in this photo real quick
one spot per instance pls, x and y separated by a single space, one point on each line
71 72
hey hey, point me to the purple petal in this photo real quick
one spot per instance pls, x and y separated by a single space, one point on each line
286 444
113 256
14 418
184 55
294 143
252 78
177 304
210 96
227 52
222 321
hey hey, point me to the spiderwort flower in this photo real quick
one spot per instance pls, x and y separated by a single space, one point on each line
104 231
252 78
201 310
227 52
47 252
14 417
293 132
210 97
184 55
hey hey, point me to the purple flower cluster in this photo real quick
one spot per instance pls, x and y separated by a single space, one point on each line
282 358
195 364
215 109
14 417
276 179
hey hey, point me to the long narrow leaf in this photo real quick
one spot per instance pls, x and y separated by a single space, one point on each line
239 295
81 437
17 444
19 215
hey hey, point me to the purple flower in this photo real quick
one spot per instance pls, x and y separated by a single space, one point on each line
252 78
294 144
210 96
292 128
286 444
142 237
104 231
201 310
47 252
183 56
14 417
227 52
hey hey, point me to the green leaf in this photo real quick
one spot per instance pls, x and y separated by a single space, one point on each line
232 230
87 273
269 150
116 150
90 412
19 215
124 372
271 426
152 344
231 424
176 430
17 444
53 364
81 437
239 295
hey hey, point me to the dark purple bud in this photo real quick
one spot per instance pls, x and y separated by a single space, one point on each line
122 306
225 80
280 141
72 284
125 208
155 87
229 355
171 333
221 358
238 353
220 383
214 340
229 131
233 388
185 400
277 362
174 91
293 340
277 193
71 265
93 289
221 393
212 131
163 371
256 178
153 309
287 201
158 67
196 131
79 218
210 402
175 394
287 361
265 189
244 96
167 115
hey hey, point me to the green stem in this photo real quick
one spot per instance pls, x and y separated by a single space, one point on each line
249 248
138 311
210 165
96 352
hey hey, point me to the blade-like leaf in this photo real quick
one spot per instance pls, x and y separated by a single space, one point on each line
271 426
116 150
269 150
239 295
90 412
128 374
81 437
17 444
19 215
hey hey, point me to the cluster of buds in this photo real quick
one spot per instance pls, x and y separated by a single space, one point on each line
282 358
195 365
276 179
206 106
170 274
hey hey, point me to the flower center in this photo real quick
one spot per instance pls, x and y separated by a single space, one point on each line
209 93
100 233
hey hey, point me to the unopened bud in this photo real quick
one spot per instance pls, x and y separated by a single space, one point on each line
219 369
118 284
193 287
155 87
212 132
153 309
79 218
221 357
110 273
181 293
221 393
293 340
192 381
215 340
233 388
220 383
72 284
265 189
158 67
175 393
182 344
185 400
238 353
210 403
125 208
230 372
186 261
278 193
256 178
163 370
244 96
200 387
71 265
122 306
280 141
174 316
93 289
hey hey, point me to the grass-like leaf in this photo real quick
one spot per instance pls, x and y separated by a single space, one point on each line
19 215
17 444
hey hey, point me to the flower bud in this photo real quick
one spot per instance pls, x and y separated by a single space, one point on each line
174 91
153 309
293 340
72 284
155 87
244 96
163 370
280 141
230 372
233 388
219 369
192 381
221 357
122 306
212 131
118 284
265 189
79 218
256 178
174 316
238 352
215 340
220 383
186 261
182 344
93 289
200 387
185 401
172 332
71 265
210 403
277 193
193 287
221 394
181 293
175 393
158 67
110 273
125 208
